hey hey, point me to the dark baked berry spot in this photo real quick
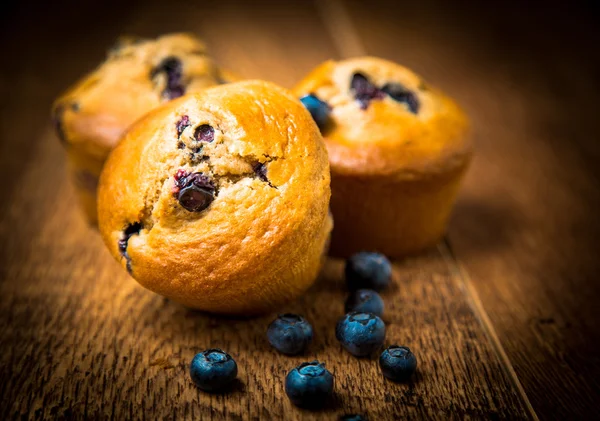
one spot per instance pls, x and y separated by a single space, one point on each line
195 199
128 232
180 145
204 133
364 90
173 92
75 106
195 191
260 170
173 70
181 125
399 93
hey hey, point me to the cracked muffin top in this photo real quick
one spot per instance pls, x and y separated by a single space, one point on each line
137 76
380 118
219 199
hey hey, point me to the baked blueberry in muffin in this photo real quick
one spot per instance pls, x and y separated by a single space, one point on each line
400 143
227 208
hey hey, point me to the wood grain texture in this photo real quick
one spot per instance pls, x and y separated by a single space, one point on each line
526 225
80 339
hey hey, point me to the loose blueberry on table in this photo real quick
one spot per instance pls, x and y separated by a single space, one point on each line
360 334
368 270
309 385
398 363
213 370
319 110
194 191
290 334
365 301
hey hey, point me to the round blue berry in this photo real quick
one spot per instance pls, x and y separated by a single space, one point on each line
360 333
290 334
397 363
368 270
309 385
365 301
318 109
213 370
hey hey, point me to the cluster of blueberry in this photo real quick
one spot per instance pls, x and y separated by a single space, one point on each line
361 332
364 92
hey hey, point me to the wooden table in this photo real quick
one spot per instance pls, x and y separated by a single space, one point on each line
502 315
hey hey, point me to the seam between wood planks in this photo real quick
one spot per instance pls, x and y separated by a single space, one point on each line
344 35
476 305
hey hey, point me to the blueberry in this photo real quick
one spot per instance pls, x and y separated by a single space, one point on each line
213 370
353 417
181 125
260 169
319 110
204 133
368 270
365 301
399 93
360 333
172 92
309 385
397 363
195 191
173 70
194 198
364 90
290 334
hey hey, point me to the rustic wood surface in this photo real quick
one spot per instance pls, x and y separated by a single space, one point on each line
502 318
526 226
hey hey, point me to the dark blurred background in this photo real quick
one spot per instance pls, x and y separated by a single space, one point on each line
526 226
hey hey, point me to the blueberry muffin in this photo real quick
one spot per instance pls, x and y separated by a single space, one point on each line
398 149
138 75
219 200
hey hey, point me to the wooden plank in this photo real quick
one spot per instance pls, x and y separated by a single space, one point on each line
81 339
526 226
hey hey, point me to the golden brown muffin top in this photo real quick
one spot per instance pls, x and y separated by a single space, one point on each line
218 193
137 76
384 120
